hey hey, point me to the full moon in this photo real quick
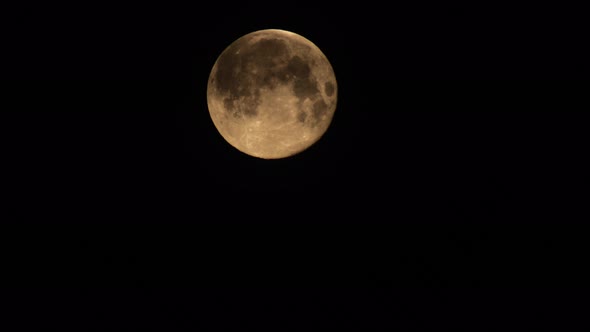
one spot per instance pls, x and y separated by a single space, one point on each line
272 94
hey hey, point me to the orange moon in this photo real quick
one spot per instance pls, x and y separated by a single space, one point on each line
272 94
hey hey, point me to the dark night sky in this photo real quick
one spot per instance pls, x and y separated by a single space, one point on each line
453 160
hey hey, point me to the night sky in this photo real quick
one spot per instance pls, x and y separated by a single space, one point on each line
451 171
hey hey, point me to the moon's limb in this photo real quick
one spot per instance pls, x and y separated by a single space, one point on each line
272 94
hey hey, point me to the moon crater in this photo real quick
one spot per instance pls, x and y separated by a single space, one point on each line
272 94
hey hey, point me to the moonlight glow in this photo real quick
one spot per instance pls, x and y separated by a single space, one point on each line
272 93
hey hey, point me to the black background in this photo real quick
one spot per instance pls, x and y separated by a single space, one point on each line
445 193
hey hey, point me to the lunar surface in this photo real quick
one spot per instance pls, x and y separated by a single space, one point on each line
272 94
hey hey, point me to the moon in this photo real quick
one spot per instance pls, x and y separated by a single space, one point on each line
272 94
